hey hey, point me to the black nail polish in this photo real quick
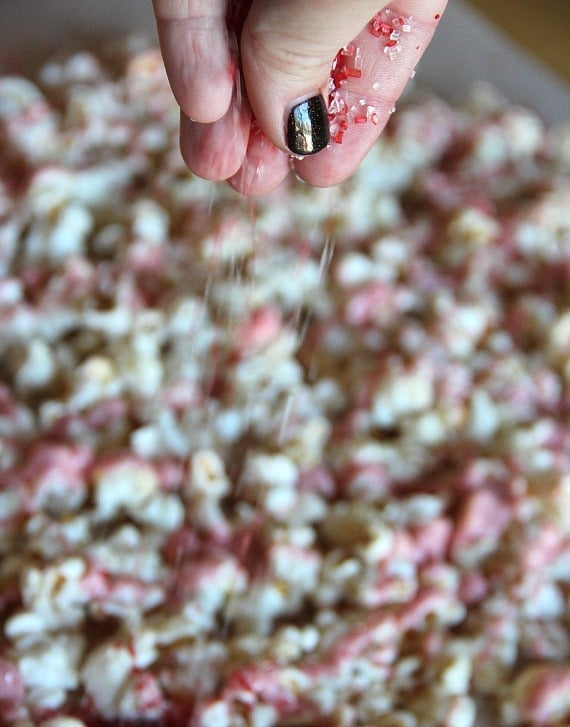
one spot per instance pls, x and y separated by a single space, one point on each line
308 127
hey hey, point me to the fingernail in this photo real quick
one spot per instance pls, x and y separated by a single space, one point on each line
308 127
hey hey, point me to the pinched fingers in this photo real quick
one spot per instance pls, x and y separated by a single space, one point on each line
216 151
368 77
369 74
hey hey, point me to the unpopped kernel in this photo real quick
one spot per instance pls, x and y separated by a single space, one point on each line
302 466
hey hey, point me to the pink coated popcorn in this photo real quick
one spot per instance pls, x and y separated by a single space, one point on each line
299 461
541 694
480 524
11 685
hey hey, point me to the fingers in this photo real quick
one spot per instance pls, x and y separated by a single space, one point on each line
196 50
217 150
264 166
286 52
364 101
328 121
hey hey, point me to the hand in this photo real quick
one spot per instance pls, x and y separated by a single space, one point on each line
243 71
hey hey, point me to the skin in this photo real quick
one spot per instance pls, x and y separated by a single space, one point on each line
236 68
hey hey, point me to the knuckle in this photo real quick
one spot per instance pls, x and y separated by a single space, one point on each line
280 56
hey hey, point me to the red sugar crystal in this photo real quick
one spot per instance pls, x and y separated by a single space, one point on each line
389 27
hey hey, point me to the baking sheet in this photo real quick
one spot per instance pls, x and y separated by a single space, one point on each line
466 48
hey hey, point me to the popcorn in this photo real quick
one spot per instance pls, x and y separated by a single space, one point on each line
304 461
401 395
123 485
49 670
39 367
541 694
105 674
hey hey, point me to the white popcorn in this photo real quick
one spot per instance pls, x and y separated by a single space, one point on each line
547 602
50 669
25 627
163 512
401 395
104 675
355 269
150 221
216 714
272 471
113 323
415 509
229 425
456 674
127 552
50 188
69 234
469 229
146 442
263 715
96 379
29 122
468 324
462 713
126 485
208 476
11 290
55 595
38 368
559 337
235 240
484 418
10 504
290 643
257 609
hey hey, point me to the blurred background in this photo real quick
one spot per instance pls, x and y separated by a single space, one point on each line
465 50
541 26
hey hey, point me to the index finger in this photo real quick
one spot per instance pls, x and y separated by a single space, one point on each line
195 46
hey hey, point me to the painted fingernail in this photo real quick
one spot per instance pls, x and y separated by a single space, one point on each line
308 127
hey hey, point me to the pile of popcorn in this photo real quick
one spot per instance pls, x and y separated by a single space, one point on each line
298 461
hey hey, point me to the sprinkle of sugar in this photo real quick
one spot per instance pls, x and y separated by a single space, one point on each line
388 26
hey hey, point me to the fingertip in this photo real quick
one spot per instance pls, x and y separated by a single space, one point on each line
338 162
199 66
264 167
216 151
206 99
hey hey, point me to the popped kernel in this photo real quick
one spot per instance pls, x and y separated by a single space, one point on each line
289 462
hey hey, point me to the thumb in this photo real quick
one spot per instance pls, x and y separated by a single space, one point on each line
286 53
